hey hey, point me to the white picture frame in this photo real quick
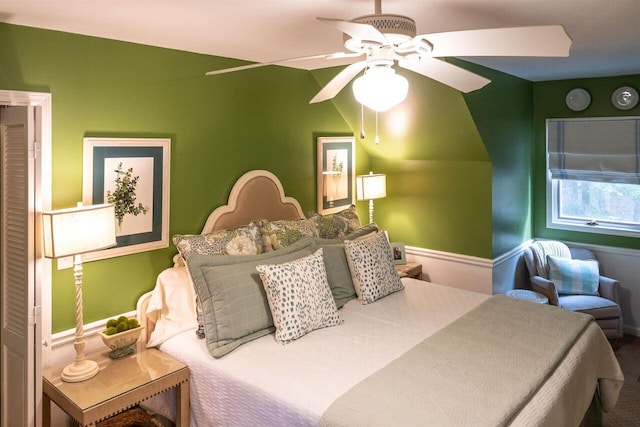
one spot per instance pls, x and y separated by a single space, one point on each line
148 160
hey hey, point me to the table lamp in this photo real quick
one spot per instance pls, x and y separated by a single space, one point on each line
370 187
75 231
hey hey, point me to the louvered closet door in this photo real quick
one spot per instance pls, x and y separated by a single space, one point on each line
20 365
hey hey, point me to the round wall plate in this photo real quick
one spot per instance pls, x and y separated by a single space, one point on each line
625 98
578 99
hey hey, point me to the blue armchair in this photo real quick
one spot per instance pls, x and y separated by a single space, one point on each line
604 306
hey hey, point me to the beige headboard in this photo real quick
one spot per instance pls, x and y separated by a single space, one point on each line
256 194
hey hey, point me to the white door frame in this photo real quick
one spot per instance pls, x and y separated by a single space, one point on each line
43 139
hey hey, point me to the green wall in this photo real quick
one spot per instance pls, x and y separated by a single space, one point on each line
455 181
219 128
549 102
503 112
458 166
438 171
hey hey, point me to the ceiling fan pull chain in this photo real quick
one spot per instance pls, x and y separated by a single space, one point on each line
377 138
362 121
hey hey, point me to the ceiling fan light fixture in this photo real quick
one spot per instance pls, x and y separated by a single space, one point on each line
380 88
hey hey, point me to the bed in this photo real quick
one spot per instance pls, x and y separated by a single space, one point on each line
421 354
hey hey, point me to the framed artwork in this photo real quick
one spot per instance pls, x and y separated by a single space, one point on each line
133 174
336 174
398 252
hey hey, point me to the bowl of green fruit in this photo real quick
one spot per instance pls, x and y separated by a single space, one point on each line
120 335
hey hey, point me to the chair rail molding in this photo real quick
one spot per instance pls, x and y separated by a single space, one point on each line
455 270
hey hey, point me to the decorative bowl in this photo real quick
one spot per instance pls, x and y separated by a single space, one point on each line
120 343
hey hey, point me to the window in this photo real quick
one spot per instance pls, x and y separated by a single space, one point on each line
593 175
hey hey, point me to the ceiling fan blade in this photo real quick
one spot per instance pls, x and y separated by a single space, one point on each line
336 84
449 74
357 30
549 40
337 55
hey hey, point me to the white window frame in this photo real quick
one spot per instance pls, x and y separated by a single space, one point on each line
555 221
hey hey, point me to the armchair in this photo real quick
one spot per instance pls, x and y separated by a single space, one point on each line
604 306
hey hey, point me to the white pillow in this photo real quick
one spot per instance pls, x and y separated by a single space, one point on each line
299 296
172 305
372 270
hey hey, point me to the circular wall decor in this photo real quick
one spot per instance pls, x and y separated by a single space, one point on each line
578 99
624 98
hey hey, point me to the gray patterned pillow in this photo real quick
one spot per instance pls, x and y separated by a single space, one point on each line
282 233
371 264
245 240
299 296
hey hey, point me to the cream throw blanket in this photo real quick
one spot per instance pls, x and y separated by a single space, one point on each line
478 371
542 248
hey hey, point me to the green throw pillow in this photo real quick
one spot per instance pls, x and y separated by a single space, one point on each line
337 267
282 233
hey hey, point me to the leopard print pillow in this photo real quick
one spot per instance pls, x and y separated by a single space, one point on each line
372 270
299 296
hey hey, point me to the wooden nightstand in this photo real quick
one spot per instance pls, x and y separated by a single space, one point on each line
410 269
120 385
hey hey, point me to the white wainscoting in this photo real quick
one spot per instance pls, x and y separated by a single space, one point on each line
460 271
510 271
60 351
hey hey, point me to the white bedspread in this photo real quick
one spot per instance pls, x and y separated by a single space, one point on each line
264 383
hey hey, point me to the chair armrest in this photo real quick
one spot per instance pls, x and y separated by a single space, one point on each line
546 288
610 289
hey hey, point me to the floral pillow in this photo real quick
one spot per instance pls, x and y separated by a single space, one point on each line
281 233
299 296
337 225
245 240
371 264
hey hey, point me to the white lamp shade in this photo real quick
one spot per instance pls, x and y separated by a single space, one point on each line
78 230
372 186
380 88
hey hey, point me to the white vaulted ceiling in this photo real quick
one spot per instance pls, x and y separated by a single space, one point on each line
605 33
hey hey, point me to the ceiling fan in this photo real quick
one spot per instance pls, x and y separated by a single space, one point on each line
385 39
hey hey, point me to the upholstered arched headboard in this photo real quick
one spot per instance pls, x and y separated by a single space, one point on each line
257 194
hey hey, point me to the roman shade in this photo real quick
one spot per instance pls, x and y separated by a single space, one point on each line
603 150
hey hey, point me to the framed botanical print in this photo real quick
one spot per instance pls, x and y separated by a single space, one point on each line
132 174
336 187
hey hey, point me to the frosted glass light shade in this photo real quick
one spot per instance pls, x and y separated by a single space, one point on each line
372 186
380 88
78 230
